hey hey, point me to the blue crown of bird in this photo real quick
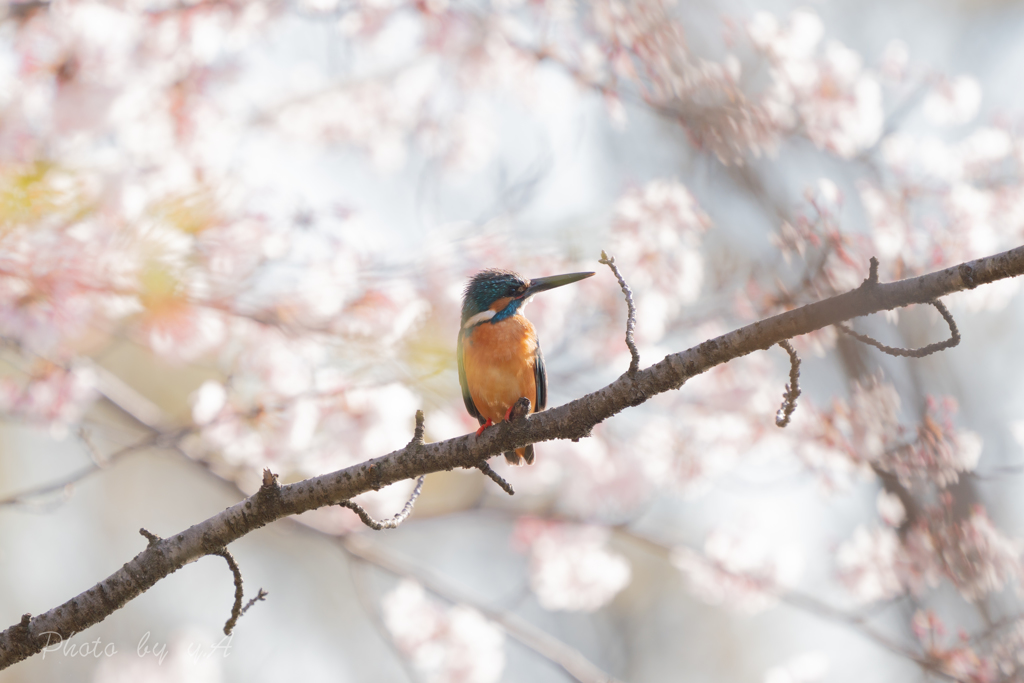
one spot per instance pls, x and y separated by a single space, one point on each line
501 367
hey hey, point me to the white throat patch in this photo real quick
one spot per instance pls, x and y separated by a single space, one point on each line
480 317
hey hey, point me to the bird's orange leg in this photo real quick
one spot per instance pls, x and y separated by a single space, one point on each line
484 426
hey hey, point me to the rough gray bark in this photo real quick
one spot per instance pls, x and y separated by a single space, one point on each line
571 421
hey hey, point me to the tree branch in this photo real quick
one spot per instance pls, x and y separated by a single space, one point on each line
634 354
489 471
386 523
789 398
954 337
571 421
236 573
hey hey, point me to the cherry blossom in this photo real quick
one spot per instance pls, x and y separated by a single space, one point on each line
890 508
832 97
972 554
1008 650
740 570
570 566
52 395
959 661
953 102
444 644
939 453
867 431
977 557
666 265
868 564
861 430
647 46
283 201
208 401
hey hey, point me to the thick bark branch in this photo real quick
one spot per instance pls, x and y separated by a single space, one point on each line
573 420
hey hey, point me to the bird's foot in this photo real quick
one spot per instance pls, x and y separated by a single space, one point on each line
518 410
484 426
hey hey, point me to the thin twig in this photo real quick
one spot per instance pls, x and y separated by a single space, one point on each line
416 441
417 435
872 278
792 389
387 523
261 595
634 363
486 469
996 472
236 609
150 536
23 497
953 340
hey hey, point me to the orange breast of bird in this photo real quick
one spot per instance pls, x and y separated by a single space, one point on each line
500 360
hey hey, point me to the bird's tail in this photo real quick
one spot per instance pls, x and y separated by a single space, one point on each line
520 454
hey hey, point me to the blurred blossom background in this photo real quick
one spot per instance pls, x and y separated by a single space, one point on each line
234 235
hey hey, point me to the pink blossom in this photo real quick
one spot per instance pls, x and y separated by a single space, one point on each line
591 479
648 47
51 395
836 102
894 61
816 236
870 564
738 570
953 102
377 116
179 331
58 277
976 556
985 146
939 454
571 567
890 508
961 662
866 427
972 554
453 645
665 265
889 230
868 431
1008 649
208 401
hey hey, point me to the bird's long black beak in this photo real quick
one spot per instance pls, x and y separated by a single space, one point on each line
543 284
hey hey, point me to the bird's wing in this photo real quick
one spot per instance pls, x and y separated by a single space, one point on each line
540 376
466 396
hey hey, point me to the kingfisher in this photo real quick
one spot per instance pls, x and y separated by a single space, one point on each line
500 360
